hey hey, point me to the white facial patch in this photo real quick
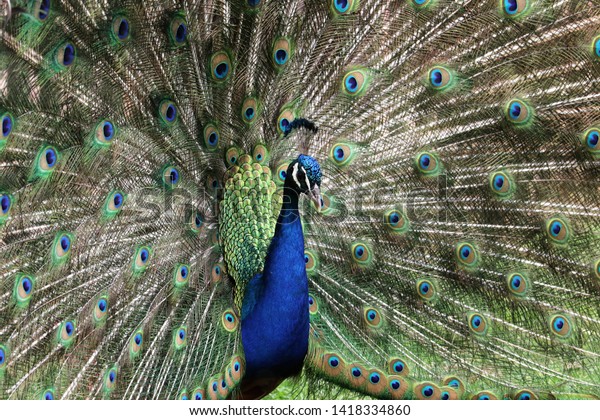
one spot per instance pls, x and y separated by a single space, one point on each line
295 175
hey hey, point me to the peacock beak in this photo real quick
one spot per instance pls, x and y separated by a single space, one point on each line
315 196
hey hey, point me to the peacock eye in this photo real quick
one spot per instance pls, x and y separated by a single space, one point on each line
477 323
65 55
141 260
591 140
120 28
467 255
41 9
178 30
181 274
250 110
168 112
440 78
48 395
518 112
342 7
7 126
514 8
220 64
355 82
561 325
5 205
596 46
66 333
374 378
421 3
170 176
260 154
361 253
558 230
282 51
426 290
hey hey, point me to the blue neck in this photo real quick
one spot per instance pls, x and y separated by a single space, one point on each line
275 331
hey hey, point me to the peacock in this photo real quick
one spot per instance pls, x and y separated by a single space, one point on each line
202 198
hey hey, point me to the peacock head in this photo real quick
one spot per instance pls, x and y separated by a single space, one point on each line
304 176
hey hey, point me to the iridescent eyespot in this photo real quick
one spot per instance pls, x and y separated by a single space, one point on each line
477 323
427 163
397 366
198 394
467 255
525 395
61 247
343 7
3 357
333 362
196 221
46 161
372 317
518 112
421 4
501 184
591 140
286 117
135 344
231 156
183 395
167 112
23 289
561 325
440 78
558 230
220 64
104 133
217 273
313 305
100 310
235 371
41 9
515 8
7 126
110 379
310 261
484 396
596 46
427 391
342 154
180 338
65 55
361 253
397 386
282 52
47 395
211 137
355 82
170 176
253 3
113 204
396 221
260 154
229 320
518 284
142 259
250 110
596 269
426 289
120 28
178 30
66 333
454 383
6 203
181 275
280 173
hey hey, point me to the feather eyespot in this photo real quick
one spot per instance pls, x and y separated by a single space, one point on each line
135 344
372 317
178 30
342 154
216 274
343 7
110 379
250 110
558 230
427 164
100 311
561 325
397 386
41 9
62 247
104 133
591 140
46 161
113 204
253 3
23 289
47 395
211 137
396 221
311 263
6 203
231 156
313 305
198 394
484 396
454 383
477 323
180 338
426 289
361 253
167 112
355 82
281 173
440 78
141 259
421 4
597 269
260 154
66 333
515 8
518 284
65 55
596 46
120 28
501 184
220 64
181 275
518 112
3 357
467 255
196 221
7 126
170 176
286 117
282 52
525 395
229 320
397 366
427 391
